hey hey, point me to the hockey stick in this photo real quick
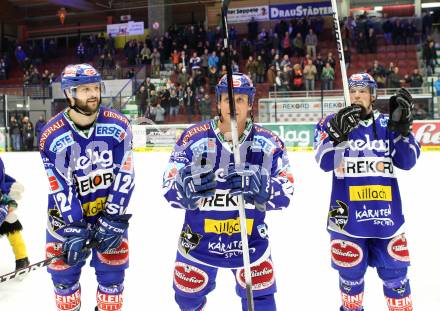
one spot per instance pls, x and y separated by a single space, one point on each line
236 150
41 264
341 53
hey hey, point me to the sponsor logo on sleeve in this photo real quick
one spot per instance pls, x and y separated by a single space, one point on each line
110 130
62 142
262 275
193 131
365 167
262 231
346 253
117 116
203 145
54 183
48 131
398 248
127 163
371 193
227 226
188 278
263 143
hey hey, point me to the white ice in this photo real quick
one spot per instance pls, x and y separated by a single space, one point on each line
300 243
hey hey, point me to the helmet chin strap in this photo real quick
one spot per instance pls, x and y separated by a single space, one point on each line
83 112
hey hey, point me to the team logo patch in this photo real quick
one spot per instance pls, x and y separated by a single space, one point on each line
398 248
55 219
262 276
127 163
339 214
54 249
116 256
345 253
189 279
189 240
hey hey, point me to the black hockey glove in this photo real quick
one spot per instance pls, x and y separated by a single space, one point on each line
109 231
77 235
401 112
343 122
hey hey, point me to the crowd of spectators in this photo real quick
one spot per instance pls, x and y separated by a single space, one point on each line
23 133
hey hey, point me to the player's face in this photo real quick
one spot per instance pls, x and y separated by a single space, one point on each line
88 96
362 97
241 107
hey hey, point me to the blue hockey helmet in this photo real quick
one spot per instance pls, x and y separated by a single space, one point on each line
75 75
363 80
241 83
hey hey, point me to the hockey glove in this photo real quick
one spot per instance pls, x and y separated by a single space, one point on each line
109 231
401 112
343 122
4 210
16 191
252 181
195 182
77 235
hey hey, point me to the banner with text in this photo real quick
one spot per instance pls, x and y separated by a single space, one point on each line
126 29
296 10
244 15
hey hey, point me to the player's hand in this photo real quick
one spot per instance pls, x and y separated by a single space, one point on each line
252 181
4 210
343 122
401 112
77 235
195 182
16 191
109 231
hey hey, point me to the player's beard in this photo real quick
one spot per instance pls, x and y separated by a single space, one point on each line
91 106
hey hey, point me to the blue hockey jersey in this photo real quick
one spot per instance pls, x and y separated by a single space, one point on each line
365 199
88 172
211 233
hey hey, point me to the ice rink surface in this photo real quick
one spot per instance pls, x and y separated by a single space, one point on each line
300 243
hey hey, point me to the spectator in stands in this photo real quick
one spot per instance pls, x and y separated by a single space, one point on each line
387 28
118 72
213 77
270 76
310 73
430 57
204 61
415 80
159 114
426 24
146 55
174 103
311 43
251 69
394 79
319 64
131 73
189 102
46 78
361 42
155 63
20 55
3 75
39 126
419 112
331 60
297 78
298 45
141 100
35 77
390 69
378 73
213 60
285 62
398 32
81 52
437 86
26 78
347 57
101 62
15 132
205 107
27 134
328 76
260 69
371 40
108 62
245 47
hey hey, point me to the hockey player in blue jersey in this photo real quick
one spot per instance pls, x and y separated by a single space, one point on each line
362 147
202 179
87 155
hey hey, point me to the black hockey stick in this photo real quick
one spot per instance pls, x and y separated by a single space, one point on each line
237 160
36 266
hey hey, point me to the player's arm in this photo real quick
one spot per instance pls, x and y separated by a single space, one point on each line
62 189
124 182
282 181
186 181
405 150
